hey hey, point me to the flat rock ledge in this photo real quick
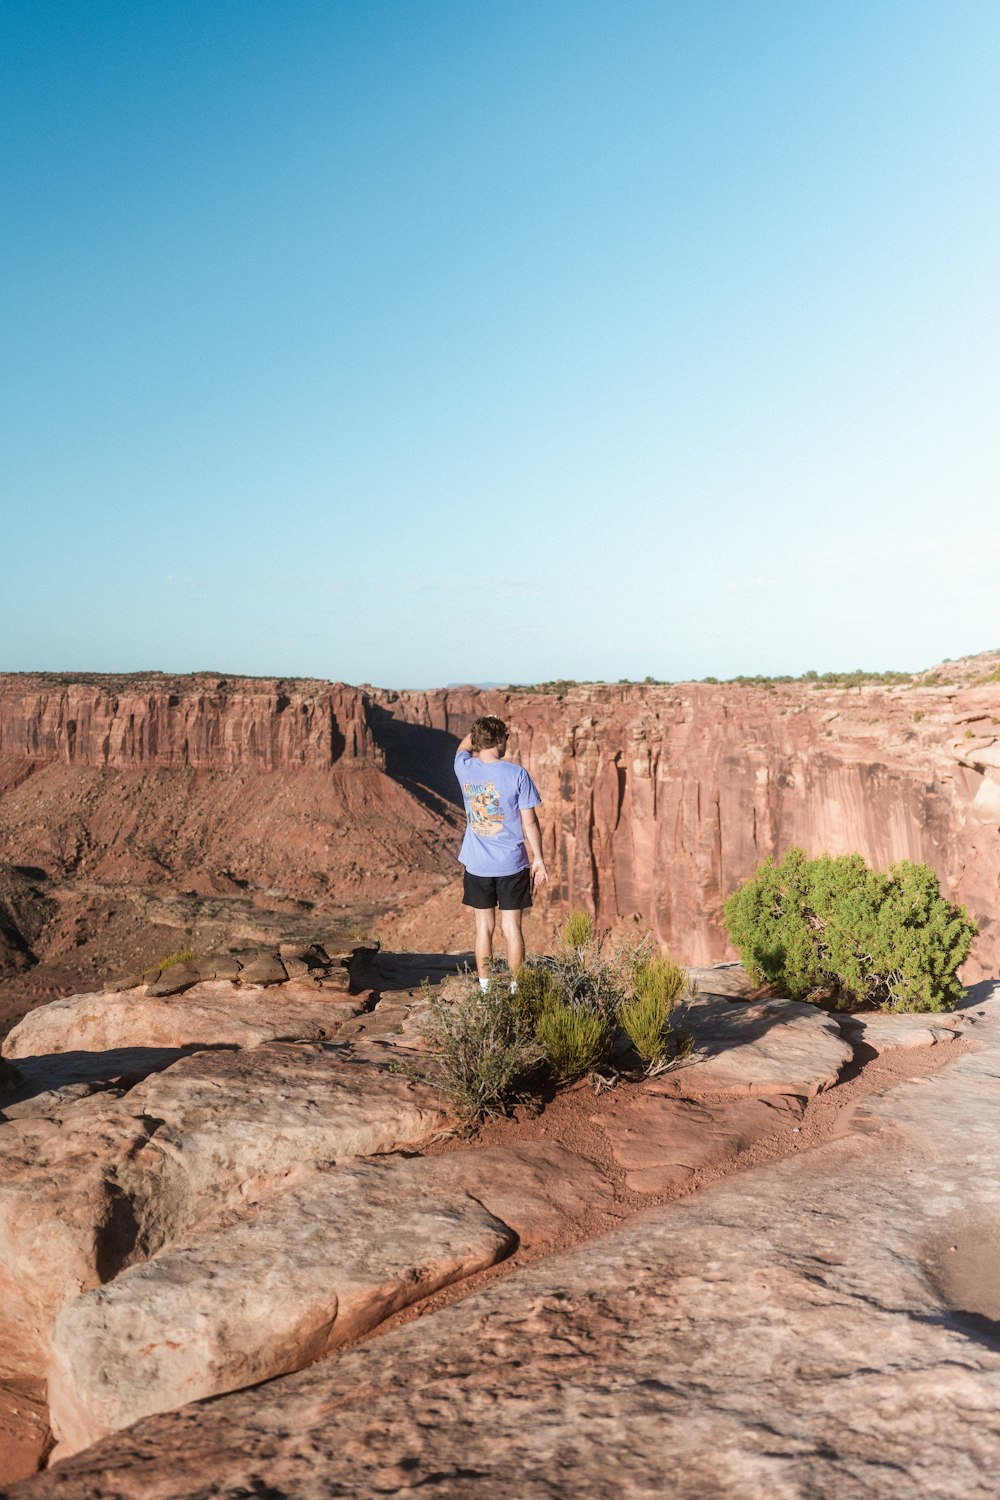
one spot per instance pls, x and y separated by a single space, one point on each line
256 1204
823 1326
300 1272
763 1047
212 1013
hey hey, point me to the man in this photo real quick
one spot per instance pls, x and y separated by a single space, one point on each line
500 801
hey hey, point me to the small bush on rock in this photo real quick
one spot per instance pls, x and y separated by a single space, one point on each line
573 1041
833 928
657 985
578 930
182 956
594 972
485 1049
537 988
659 978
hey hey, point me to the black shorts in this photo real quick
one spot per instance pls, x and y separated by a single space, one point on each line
509 892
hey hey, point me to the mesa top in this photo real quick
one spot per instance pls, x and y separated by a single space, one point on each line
495 792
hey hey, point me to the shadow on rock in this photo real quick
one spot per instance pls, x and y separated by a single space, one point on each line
88 1072
407 971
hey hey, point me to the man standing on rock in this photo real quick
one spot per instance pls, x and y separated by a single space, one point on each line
500 801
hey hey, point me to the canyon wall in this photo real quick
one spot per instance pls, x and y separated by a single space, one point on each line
206 722
657 800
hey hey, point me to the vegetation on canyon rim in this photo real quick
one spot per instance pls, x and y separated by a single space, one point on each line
594 1004
835 930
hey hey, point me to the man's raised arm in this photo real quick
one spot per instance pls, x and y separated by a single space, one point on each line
465 745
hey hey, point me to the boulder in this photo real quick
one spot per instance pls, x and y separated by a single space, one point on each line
116 986
881 1031
769 1047
219 968
312 954
265 969
303 1270
337 982
103 1183
174 980
296 968
307 1271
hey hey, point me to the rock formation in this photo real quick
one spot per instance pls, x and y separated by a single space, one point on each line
244 1213
657 801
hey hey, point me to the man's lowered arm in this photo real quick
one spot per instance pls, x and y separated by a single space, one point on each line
532 833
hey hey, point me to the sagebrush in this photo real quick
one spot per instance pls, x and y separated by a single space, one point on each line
485 1049
562 1018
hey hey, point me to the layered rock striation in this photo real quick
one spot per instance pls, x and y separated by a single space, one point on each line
202 721
657 799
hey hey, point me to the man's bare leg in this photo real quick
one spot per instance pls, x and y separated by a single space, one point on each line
510 921
486 922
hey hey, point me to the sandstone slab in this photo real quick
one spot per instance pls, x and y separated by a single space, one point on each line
213 1013
59 1216
107 1182
662 1142
883 1031
174 980
302 1273
265 969
299 1272
768 1047
785 1334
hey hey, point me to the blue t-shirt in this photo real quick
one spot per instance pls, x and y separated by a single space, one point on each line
495 792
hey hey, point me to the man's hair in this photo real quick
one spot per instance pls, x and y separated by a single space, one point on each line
488 733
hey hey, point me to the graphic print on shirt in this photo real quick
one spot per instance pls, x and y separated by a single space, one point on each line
485 812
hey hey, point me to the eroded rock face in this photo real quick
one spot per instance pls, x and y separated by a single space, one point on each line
199 721
821 1326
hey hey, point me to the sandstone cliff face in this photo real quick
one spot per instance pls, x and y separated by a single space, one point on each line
657 800
203 722
660 800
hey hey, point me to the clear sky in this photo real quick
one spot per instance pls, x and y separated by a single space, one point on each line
422 341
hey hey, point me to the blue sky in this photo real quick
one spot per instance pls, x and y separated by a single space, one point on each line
422 342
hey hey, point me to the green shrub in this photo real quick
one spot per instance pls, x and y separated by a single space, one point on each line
182 956
578 930
485 1049
573 1041
657 985
659 978
537 988
834 928
646 1019
593 971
